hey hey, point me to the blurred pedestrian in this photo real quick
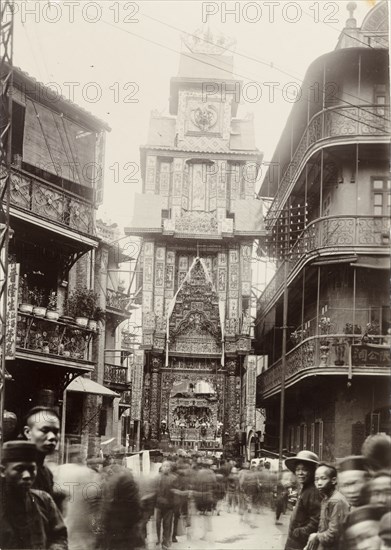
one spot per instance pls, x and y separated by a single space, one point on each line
204 495
352 477
379 489
29 517
362 528
121 512
233 490
82 487
281 495
385 531
182 487
377 451
334 509
165 504
305 516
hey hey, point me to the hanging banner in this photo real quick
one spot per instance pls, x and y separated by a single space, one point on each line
137 384
12 310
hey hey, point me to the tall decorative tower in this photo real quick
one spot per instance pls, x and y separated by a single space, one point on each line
197 217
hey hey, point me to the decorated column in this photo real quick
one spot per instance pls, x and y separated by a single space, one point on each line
231 398
156 363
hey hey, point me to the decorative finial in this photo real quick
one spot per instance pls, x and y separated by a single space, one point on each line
351 22
351 7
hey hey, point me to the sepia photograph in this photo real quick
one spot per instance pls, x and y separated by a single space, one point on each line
195 326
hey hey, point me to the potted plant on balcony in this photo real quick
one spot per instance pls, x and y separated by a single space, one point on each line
52 311
371 328
81 305
325 327
121 286
25 296
351 329
298 336
99 315
37 298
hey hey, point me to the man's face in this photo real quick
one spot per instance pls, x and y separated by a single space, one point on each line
380 491
351 483
20 475
302 473
323 480
43 429
363 536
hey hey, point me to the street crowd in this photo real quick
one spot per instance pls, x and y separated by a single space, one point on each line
98 504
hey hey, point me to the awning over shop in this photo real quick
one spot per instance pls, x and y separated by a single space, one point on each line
86 385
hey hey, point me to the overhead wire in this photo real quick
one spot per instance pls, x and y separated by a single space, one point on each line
257 60
233 73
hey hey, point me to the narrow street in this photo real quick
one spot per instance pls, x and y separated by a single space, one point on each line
229 532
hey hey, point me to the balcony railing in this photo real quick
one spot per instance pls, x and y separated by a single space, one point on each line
334 122
52 337
117 300
337 232
330 352
49 201
115 375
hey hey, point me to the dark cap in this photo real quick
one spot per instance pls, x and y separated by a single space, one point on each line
348 463
364 513
385 527
19 451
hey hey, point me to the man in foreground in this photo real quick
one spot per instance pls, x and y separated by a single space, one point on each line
29 518
42 427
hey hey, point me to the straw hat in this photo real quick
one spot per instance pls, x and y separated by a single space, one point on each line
306 457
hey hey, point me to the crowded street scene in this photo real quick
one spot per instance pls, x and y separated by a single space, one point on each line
195 321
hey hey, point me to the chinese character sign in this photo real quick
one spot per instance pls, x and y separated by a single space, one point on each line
137 384
12 310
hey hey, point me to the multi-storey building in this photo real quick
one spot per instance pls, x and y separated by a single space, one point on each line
329 225
197 217
107 397
56 186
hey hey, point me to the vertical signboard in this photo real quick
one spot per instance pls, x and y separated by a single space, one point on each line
12 310
137 384
251 384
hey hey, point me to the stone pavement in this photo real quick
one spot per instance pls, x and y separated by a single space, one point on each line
230 532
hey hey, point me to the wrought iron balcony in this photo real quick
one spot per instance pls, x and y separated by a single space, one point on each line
327 354
331 124
118 301
51 202
116 375
47 337
338 233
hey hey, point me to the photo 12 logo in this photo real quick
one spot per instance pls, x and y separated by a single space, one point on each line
254 91
254 12
55 11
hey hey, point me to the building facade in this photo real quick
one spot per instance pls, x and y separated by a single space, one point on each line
197 217
56 185
328 227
